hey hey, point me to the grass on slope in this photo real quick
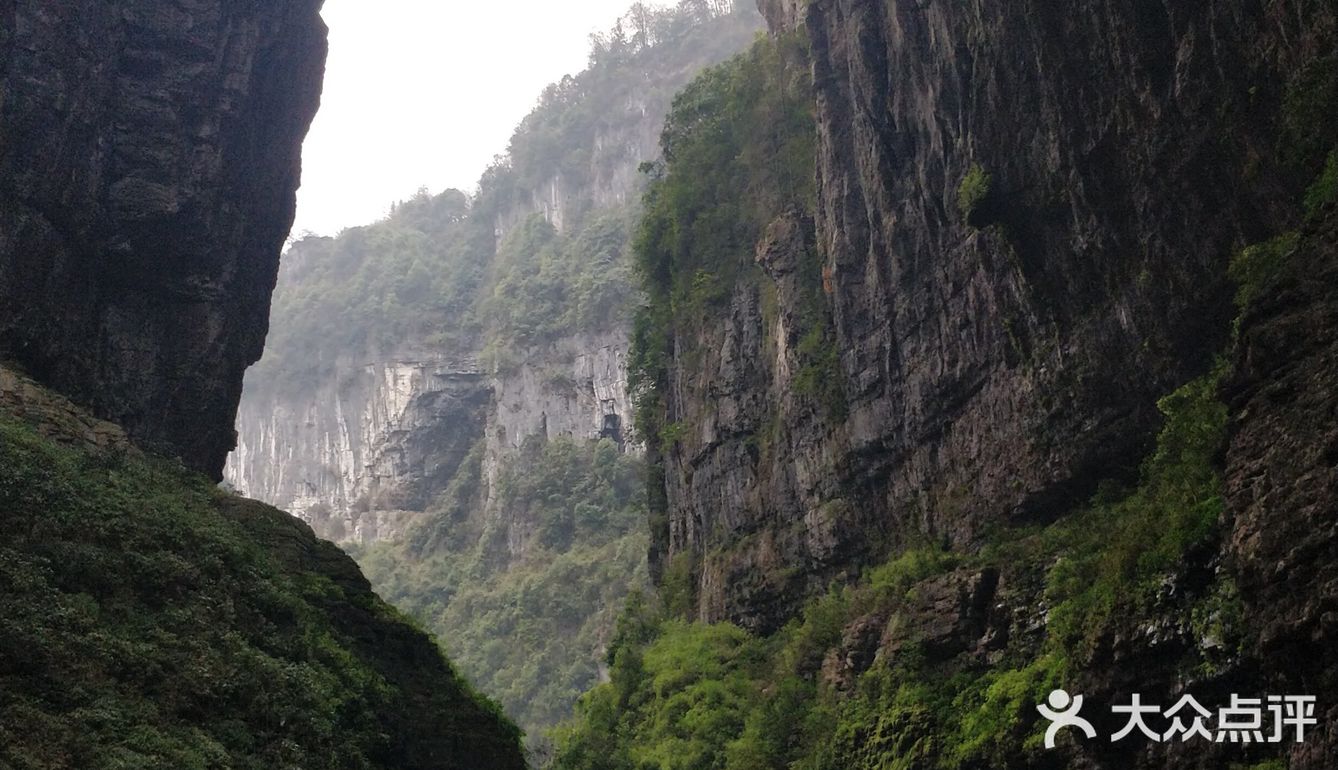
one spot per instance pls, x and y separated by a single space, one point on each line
149 621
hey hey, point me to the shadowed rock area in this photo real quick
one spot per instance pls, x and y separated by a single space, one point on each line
1000 358
149 155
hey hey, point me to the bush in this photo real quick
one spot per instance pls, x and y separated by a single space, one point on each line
973 191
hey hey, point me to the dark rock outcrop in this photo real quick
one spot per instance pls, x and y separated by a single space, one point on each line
1282 477
149 154
997 361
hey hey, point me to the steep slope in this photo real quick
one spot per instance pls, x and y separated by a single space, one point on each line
150 621
1022 223
149 153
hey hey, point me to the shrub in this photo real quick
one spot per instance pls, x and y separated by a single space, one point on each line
973 191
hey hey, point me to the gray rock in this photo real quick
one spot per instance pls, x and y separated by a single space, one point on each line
149 154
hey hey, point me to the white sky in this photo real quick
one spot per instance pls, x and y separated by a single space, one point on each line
423 93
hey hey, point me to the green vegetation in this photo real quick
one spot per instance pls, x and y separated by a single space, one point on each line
413 276
973 191
1256 268
1324 191
688 696
548 285
739 147
433 275
149 621
528 628
643 60
1260 267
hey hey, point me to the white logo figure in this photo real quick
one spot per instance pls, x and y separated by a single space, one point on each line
1063 712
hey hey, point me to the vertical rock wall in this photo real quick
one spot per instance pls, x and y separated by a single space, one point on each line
997 361
149 155
358 456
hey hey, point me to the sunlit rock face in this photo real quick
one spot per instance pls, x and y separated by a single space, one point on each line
576 388
351 457
149 154
360 455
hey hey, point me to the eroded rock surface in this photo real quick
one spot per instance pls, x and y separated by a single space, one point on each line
997 362
149 154
1282 476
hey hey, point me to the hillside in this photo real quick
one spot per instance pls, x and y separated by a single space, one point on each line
151 621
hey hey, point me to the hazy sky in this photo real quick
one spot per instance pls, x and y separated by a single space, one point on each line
423 93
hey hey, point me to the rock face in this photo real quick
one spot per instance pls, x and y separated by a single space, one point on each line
1282 476
358 456
373 442
149 154
577 387
997 359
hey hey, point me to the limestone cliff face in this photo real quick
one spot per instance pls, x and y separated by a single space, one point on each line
149 154
997 361
577 387
351 457
358 456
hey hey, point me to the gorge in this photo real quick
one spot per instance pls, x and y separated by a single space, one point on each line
812 385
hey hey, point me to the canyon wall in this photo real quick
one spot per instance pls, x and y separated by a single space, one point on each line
149 155
999 354
358 456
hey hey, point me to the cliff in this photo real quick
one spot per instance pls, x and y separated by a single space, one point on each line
1282 472
989 351
502 317
1024 385
1023 219
148 164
